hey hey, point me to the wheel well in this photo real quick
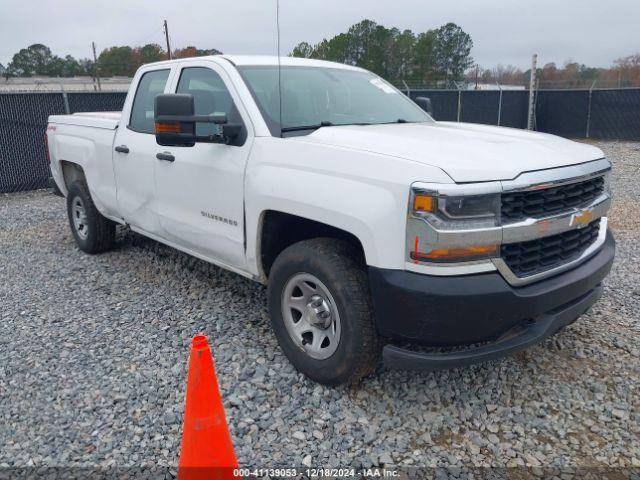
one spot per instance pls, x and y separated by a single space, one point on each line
280 230
72 172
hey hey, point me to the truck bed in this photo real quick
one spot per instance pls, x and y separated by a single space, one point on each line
106 120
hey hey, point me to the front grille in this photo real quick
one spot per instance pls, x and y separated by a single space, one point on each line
535 256
541 203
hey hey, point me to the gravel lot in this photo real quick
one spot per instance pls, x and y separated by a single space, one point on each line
93 354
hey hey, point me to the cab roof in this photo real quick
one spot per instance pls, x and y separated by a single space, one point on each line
265 60
272 60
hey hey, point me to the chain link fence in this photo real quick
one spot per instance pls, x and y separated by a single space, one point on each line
23 121
606 114
598 114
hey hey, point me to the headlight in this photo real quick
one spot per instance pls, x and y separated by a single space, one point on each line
457 212
444 226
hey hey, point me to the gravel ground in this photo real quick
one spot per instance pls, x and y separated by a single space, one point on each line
93 353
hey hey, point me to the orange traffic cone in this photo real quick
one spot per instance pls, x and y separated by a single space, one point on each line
207 450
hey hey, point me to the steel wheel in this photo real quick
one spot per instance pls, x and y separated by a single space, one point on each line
79 215
311 316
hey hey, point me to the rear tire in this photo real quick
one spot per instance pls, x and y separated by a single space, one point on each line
93 232
321 311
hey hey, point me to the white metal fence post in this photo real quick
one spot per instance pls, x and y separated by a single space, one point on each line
532 85
589 108
407 87
459 101
499 103
65 98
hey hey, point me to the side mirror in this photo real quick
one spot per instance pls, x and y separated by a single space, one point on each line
175 122
425 104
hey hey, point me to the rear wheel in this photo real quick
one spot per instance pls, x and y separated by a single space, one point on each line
92 231
321 311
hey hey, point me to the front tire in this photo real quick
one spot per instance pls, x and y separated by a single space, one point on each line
93 232
321 311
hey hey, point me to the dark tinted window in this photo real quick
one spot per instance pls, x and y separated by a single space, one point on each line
210 95
142 112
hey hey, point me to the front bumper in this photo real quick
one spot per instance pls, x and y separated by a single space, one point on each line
470 309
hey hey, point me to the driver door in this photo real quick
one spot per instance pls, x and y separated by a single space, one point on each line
200 193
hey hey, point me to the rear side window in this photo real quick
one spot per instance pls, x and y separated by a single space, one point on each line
210 95
142 112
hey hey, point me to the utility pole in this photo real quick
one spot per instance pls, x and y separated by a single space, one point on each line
477 74
95 66
532 92
166 35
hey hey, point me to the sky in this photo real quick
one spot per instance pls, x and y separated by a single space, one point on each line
594 32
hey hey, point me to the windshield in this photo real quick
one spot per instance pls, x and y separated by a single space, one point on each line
318 96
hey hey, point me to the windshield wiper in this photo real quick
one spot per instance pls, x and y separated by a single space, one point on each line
306 127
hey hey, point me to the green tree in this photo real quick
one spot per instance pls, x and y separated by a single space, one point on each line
117 61
402 61
152 52
452 52
4 71
302 50
334 49
366 41
441 54
207 51
33 60
63 67
423 60
192 51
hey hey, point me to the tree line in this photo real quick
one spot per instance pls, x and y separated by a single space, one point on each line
38 60
624 72
441 55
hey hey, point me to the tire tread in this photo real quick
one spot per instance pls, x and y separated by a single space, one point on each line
344 260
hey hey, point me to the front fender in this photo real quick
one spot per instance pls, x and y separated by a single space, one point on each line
363 193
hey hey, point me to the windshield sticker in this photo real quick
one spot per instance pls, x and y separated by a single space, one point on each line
376 82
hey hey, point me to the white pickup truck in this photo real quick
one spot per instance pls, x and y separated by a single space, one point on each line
378 230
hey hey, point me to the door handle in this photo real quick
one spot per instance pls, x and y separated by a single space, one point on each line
166 156
122 149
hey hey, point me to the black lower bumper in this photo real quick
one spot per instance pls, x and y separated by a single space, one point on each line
465 310
517 339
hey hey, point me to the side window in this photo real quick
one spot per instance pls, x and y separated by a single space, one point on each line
142 111
210 95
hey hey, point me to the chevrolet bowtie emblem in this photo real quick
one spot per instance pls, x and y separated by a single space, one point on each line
582 219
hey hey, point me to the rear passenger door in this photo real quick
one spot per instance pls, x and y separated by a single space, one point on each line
134 155
200 193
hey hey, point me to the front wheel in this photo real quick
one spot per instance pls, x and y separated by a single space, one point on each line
321 311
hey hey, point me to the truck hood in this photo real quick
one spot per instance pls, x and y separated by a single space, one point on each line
466 152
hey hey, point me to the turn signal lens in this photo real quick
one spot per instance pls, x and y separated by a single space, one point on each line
423 203
168 128
456 254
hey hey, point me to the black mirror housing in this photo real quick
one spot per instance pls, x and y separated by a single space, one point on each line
425 104
175 123
172 115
